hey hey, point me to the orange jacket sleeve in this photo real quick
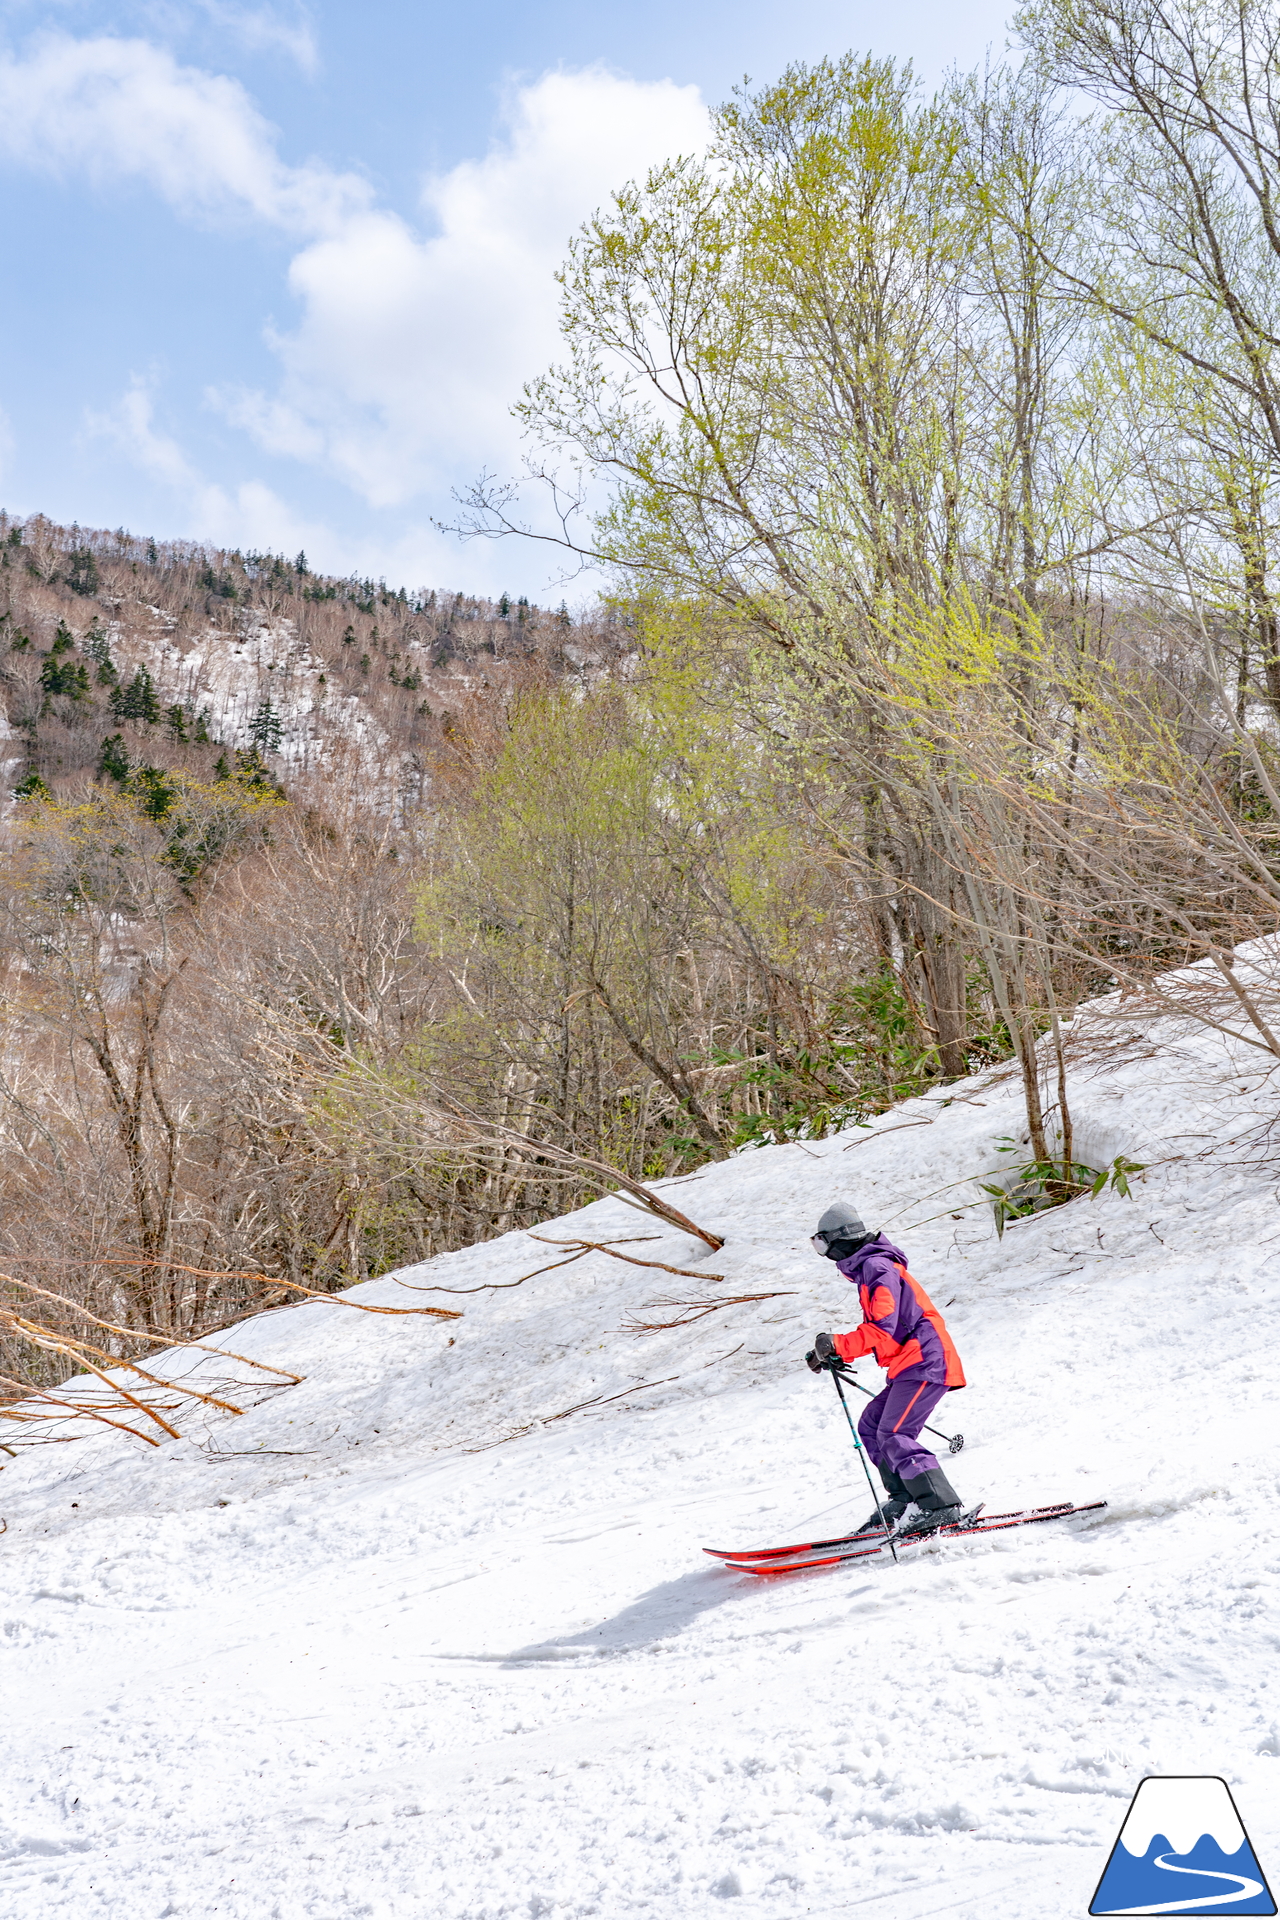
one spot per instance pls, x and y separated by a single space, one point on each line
873 1335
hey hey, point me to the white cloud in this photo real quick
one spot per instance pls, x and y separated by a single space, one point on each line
248 516
264 29
410 351
251 515
411 344
117 109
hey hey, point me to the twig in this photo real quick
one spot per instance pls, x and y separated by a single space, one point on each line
79 1350
691 1311
294 1286
151 1412
156 1339
584 1247
631 1192
880 1132
79 1408
600 1400
602 1246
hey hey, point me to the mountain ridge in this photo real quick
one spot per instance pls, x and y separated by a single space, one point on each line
251 650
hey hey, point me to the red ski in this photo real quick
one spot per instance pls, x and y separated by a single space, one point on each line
862 1546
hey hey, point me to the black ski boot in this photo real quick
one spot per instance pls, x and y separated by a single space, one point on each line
892 1507
937 1503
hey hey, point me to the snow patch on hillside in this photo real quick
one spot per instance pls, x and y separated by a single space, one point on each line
230 673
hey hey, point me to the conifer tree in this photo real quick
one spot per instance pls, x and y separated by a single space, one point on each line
137 701
266 729
95 644
82 571
113 764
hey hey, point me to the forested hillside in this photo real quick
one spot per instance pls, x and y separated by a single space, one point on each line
176 655
939 689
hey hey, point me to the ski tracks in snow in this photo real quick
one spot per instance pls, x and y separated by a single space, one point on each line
349 1669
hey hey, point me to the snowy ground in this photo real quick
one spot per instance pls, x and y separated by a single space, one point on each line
326 1660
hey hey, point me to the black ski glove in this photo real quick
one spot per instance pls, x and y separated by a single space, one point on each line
822 1353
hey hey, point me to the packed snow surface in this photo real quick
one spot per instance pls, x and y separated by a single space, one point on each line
398 1642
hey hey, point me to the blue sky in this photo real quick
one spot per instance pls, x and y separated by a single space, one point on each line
275 274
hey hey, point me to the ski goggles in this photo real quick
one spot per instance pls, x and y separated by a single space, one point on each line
824 1243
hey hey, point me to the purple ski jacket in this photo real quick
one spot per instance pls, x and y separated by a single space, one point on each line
901 1326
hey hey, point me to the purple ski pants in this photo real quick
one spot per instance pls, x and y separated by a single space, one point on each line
890 1426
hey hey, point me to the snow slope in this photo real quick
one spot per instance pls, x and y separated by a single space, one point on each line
345 1656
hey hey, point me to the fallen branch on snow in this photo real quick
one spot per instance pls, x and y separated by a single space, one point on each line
690 1312
582 1406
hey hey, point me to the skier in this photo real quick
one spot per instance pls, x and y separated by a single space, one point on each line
905 1332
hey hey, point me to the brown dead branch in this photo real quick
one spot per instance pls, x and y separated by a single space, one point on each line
583 1247
79 1408
690 1312
80 1350
582 1406
156 1339
602 1246
879 1133
141 1406
293 1286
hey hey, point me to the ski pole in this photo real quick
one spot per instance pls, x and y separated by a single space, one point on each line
866 1465
955 1441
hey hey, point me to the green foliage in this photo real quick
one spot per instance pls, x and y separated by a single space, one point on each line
221 585
96 646
137 701
177 723
1040 1184
154 793
69 678
266 729
252 773
32 787
1116 1176
82 571
869 1054
113 763
111 848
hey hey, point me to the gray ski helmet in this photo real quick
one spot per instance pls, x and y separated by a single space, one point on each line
840 1223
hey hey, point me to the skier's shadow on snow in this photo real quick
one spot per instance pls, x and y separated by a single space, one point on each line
657 1615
